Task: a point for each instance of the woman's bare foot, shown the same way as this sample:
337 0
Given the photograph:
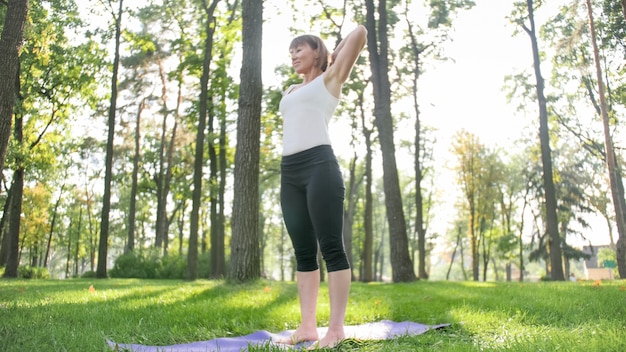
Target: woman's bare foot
300 335
332 339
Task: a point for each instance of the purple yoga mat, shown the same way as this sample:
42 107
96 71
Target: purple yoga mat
381 330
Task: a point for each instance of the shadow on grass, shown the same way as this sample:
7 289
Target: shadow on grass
67 315
514 316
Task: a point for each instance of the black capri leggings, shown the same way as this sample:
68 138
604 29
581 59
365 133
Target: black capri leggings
311 195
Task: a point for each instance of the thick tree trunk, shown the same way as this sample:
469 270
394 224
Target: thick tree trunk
245 256
401 264
10 45
552 229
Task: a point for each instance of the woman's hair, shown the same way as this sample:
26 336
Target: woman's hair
316 44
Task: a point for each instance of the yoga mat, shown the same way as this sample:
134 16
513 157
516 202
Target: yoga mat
382 330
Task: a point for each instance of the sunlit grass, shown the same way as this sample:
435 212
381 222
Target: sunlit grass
80 315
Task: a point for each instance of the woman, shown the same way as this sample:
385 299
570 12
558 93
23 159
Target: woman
312 190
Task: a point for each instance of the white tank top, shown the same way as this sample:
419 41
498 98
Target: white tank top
306 113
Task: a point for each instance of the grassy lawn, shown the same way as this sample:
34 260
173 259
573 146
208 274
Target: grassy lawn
49 315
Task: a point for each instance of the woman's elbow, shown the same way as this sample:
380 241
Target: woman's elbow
362 30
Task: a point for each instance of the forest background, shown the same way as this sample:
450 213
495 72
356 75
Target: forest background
461 78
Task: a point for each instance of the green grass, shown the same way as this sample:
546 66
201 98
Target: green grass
48 315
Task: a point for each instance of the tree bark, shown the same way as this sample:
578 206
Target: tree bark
130 242
554 241
15 214
161 178
418 161
368 217
52 223
4 233
10 45
77 249
401 264
617 189
348 215
192 253
245 256
103 245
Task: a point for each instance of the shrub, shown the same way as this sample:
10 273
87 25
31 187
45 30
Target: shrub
204 264
88 274
148 266
129 265
32 272
172 268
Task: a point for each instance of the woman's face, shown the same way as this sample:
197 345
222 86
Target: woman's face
303 58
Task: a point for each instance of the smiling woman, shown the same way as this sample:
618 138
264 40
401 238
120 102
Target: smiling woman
312 190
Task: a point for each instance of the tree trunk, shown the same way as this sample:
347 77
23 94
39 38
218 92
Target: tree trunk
10 45
78 232
401 264
4 232
419 156
473 237
15 214
165 225
368 218
218 217
221 217
101 271
554 241
132 208
617 189
217 268
192 253
52 223
348 215
456 246
161 176
92 232
68 256
245 256
521 238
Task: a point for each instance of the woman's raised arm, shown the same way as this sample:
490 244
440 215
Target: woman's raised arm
343 59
